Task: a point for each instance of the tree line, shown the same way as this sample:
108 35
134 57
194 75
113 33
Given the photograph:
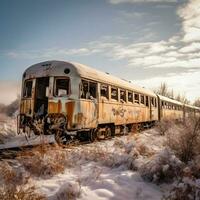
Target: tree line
164 90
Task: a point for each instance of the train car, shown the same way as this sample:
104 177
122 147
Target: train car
65 99
191 111
170 108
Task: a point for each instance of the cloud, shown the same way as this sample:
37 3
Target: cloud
186 83
181 51
141 1
190 14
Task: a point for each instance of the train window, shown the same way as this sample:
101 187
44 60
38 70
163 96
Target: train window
104 90
136 97
84 89
162 104
88 90
147 101
93 90
142 99
152 101
123 95
28 89
114 93
130 97
61 87
155 102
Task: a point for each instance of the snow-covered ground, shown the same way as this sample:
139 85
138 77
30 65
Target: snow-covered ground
102 170
136 166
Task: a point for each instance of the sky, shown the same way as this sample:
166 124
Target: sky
145 41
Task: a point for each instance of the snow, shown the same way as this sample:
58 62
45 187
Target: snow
108 184
103 170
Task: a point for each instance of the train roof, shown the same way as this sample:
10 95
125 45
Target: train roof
163 98
56 68
190 106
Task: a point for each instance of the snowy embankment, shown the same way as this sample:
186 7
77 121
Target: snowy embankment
105 170
8 128
139 166
101 170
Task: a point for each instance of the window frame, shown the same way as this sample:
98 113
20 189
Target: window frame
116 88
25 82
107 85
124 90
88 88
130 92
142 98
55 85
136 101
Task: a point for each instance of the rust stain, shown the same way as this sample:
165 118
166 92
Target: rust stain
52 107
70 111
59 106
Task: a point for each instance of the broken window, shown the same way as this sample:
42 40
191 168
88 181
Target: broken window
152 101
136 97
123 95
84 89
142 99
88 89
147 101
61 87
104 90
28 89
162 104
130 97
114 93
93 90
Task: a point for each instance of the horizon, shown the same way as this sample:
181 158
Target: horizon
147 42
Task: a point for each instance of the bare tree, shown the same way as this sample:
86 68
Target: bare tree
162 90
197 102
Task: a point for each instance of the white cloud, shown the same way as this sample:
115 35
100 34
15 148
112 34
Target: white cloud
179 51
185 83
190 14
193 47
140 1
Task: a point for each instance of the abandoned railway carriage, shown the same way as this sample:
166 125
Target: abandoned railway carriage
73 100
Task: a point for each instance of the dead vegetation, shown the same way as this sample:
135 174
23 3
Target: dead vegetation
184 140
44 161
69 191
15 185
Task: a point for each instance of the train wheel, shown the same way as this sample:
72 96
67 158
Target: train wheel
92 135
108 133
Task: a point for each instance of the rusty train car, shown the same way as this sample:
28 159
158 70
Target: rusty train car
73 100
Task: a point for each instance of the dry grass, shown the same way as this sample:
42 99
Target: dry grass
184 139
44 161
69 191
15 185
163 126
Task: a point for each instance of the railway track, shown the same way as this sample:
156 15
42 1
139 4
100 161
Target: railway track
13 152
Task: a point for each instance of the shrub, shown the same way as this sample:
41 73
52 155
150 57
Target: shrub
185 140
163 126
69 191
44 161
184 189
164 166
14 185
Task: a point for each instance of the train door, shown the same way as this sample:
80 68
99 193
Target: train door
41 96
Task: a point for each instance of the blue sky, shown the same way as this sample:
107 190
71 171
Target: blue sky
146 41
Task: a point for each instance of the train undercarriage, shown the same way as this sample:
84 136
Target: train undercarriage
56 124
